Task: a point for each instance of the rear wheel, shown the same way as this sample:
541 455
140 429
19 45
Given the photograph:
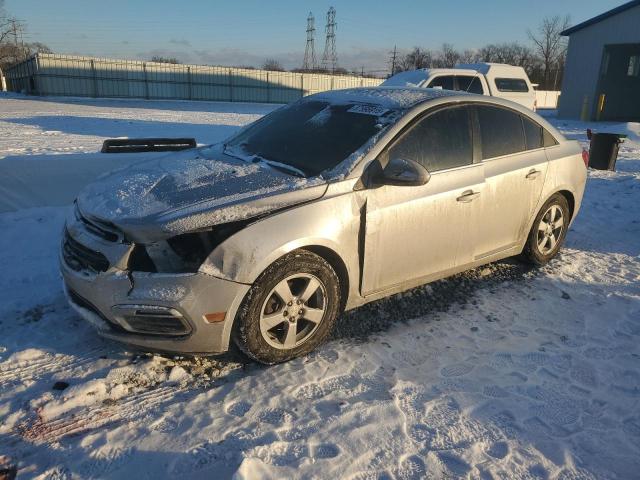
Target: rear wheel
548 231
290 309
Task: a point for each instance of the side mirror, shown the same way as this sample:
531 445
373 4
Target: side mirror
403 172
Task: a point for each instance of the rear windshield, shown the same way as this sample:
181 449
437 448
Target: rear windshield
512 85
310 135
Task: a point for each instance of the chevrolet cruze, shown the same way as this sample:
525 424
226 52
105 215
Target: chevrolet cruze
325 204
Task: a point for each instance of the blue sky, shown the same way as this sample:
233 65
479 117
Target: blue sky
246 32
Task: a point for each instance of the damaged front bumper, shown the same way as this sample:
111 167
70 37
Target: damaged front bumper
185 313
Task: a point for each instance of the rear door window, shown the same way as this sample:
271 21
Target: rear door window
532 134
469 84
501 131
511 85
438 142
445 82
548 139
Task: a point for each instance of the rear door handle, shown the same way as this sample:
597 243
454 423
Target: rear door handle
533 174
468 196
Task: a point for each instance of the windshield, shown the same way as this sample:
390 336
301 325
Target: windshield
309 135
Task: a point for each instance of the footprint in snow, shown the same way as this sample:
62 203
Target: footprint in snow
495 391
275 416
456 370
238 409
104 462
421 435
410 468
282 454
631 426
325 451
585 374
454 464
498 450
409 357
371 475
166 424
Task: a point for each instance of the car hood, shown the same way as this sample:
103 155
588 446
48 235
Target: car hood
191 190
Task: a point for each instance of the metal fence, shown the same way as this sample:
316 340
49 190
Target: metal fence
50 74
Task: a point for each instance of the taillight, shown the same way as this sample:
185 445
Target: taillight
585 157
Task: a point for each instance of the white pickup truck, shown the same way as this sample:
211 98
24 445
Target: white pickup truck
494 79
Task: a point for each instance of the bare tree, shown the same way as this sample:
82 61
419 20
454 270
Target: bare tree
415 59
510 53
160 59
447 57
469 56
12 49
551 46
37 47
273 65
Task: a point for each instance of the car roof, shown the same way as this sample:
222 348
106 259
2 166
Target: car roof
387 97
413 98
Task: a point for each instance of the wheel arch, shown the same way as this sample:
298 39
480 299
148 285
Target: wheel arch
571 200
566 193
338 265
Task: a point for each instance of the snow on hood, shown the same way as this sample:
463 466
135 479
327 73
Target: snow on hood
191 190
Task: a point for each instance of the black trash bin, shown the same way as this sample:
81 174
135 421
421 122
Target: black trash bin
603 150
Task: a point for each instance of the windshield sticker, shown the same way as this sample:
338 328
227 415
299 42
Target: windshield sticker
365 109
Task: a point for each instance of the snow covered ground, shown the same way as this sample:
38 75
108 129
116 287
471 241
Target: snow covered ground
501 372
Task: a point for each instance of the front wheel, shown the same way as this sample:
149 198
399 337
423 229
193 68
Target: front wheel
548 231
290 309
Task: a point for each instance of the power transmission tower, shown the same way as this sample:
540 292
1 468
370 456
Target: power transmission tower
394 56
309 62
330 57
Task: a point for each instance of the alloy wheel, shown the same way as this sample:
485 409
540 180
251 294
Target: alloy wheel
550 229
293 311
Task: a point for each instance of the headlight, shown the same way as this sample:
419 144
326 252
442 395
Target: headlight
182 253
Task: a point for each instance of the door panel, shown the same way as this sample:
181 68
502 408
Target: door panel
513 185
620 83
413 232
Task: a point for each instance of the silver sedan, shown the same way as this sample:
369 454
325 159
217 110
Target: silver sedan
325 204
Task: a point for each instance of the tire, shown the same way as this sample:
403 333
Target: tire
543 245
266 321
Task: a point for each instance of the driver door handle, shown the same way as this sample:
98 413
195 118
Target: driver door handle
533 174
468 196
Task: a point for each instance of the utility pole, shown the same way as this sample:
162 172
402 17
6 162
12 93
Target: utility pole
309 62
16 28
394 56
330 57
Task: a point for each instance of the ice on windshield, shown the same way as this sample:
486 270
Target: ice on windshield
320 118
312 136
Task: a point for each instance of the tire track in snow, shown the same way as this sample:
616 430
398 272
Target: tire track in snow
48 364
41 430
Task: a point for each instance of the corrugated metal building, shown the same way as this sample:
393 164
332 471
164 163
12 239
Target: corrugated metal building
602 72
49 74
